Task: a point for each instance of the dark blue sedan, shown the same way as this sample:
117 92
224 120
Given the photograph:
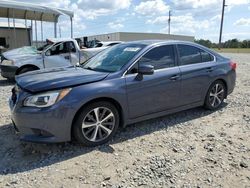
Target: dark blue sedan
124 84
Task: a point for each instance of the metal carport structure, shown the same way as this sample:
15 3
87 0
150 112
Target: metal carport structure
28 11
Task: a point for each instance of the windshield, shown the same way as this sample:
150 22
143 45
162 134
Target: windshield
44 47
113 58
27 50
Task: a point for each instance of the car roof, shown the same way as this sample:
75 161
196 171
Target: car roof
54 40
109 42
94 49
155 42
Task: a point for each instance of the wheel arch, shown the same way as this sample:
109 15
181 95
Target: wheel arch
224 82
27 66
217 79
104 99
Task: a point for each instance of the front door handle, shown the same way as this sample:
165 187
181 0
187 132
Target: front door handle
174 77
66 57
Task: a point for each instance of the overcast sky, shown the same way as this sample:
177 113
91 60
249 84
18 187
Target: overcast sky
199 18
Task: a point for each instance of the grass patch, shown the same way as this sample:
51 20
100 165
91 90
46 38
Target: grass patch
232 50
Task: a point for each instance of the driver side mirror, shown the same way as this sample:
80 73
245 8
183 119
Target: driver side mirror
145 69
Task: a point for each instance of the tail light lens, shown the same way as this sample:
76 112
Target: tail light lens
233 65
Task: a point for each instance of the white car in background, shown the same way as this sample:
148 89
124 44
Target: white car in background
100 46
56 53
106 44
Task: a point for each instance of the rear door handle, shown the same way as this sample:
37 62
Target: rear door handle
209 69
174 77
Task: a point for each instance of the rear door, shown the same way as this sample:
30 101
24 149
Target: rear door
196 66
157 92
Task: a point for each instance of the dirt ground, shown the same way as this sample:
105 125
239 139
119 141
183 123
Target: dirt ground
194 148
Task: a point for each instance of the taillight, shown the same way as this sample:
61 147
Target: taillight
233 65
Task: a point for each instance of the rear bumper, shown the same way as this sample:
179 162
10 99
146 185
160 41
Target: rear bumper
231 81
8 71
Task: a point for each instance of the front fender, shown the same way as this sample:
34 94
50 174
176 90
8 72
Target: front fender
114 89
35 61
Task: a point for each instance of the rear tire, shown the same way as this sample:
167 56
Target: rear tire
215 95
96 123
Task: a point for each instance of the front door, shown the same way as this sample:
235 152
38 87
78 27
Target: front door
61 55
157 92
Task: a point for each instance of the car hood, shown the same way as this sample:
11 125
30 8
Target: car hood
52 79
20 52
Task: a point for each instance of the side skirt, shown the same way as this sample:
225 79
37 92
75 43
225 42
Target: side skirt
163 113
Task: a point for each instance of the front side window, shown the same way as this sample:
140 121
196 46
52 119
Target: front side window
160 57
113 58
55 50
61 48
70 47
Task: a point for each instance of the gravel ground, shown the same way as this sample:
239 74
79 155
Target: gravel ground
194 148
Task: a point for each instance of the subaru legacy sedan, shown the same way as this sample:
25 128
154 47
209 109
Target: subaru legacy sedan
124 84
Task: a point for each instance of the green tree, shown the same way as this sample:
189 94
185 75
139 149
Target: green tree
203 42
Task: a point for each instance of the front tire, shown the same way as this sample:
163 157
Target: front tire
215 95
96 123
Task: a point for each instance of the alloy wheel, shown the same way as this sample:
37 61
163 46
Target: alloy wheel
98 124
216 95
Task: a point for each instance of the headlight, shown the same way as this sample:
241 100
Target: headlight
46 99
7 62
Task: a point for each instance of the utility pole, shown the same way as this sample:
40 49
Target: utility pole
169 20
221 24
60 33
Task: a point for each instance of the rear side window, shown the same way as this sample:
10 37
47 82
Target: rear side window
159 57
192 55
206 57
189 54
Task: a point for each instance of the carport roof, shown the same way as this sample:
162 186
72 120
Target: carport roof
21 10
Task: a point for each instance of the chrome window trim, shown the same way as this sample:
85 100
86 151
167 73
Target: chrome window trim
162 44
